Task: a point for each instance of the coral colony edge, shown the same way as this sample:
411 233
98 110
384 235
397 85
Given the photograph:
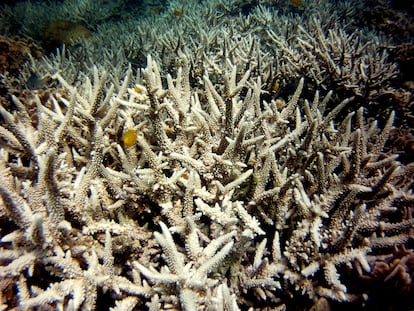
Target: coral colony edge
204 155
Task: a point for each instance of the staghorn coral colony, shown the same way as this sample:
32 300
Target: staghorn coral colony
235 156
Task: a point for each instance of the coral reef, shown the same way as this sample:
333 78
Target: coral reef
224 158
263 200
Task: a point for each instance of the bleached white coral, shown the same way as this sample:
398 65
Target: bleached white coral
229 191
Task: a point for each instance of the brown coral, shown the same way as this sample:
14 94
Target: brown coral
402 143
64 32
14 53
390 18
404 55
396 270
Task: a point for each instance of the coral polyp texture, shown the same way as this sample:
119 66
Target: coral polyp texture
215 179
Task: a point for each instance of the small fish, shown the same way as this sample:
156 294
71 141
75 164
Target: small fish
34 82
276 86
178 12
130 137
137 59
75 48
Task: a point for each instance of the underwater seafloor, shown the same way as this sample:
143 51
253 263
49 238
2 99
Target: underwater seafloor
206 155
